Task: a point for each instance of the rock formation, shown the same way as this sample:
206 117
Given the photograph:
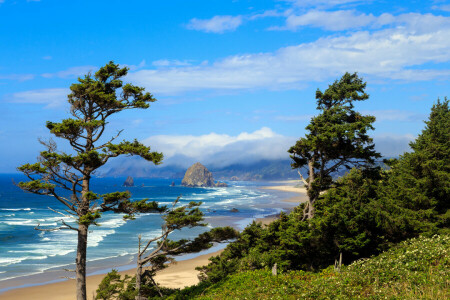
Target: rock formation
198 176
129 181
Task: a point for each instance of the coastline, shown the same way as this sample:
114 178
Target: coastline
177 275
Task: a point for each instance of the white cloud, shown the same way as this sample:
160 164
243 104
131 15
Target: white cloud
323 3
221 149
217 24
445 7
52 98
299 118
170 63
340 20
395 115
71 72
135 67
18 77
47 57
389 53
334 20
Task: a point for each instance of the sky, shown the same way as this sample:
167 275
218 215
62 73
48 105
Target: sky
235 80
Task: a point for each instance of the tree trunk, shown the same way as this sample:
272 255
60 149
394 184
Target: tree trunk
138 279
81 261
311 191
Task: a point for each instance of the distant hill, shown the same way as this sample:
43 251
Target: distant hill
261 170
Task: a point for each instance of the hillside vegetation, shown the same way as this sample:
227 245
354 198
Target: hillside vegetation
415 269
399 216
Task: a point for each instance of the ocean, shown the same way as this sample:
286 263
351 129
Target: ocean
25 251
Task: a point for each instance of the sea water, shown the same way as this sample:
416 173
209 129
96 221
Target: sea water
113 243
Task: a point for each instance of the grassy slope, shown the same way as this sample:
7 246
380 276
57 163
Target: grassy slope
415 269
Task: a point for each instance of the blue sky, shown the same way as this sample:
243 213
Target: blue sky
233 79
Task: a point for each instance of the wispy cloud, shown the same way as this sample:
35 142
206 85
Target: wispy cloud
170 63
47 57
299 118
51 98
388 53
330 20
445 7
18 77
323 3
217 24
395 115
71 72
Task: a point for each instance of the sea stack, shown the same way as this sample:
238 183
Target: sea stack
129 181
198 176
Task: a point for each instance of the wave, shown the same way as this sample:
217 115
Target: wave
20 223
15 260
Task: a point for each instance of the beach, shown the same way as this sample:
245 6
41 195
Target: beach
177 275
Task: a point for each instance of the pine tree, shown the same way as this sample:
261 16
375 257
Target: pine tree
92 101
420 180
336 139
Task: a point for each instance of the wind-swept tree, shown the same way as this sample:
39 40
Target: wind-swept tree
336 139
58 174
155 253
164 250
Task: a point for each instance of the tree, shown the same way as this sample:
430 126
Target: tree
92 101
156 257
176 218
420 180
337 138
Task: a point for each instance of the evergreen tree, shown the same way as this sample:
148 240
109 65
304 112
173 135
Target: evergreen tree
336 139
92 101
420 180
157 257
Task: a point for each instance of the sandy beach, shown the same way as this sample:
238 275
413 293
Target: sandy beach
177 275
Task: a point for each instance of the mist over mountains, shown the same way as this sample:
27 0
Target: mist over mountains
258 170
258 155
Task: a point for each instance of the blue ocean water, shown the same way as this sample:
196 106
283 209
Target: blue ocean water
25 251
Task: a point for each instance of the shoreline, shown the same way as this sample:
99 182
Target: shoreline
177 275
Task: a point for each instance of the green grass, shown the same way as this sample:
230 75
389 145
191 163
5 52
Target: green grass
415 269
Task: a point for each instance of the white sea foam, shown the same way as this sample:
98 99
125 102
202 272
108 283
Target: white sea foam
113 223
15 260
44 250
97 236
20 223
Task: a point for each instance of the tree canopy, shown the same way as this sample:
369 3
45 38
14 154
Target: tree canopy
336 138
66 176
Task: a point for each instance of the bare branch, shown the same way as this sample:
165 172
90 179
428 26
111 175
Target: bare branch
302 178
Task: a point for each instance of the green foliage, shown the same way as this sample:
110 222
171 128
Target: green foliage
184 216
37 187
337 138
363 213
93 99
134 148
416 269
89 218
111 286
420 180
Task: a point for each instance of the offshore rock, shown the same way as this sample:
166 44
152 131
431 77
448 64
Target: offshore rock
198 176
129 181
